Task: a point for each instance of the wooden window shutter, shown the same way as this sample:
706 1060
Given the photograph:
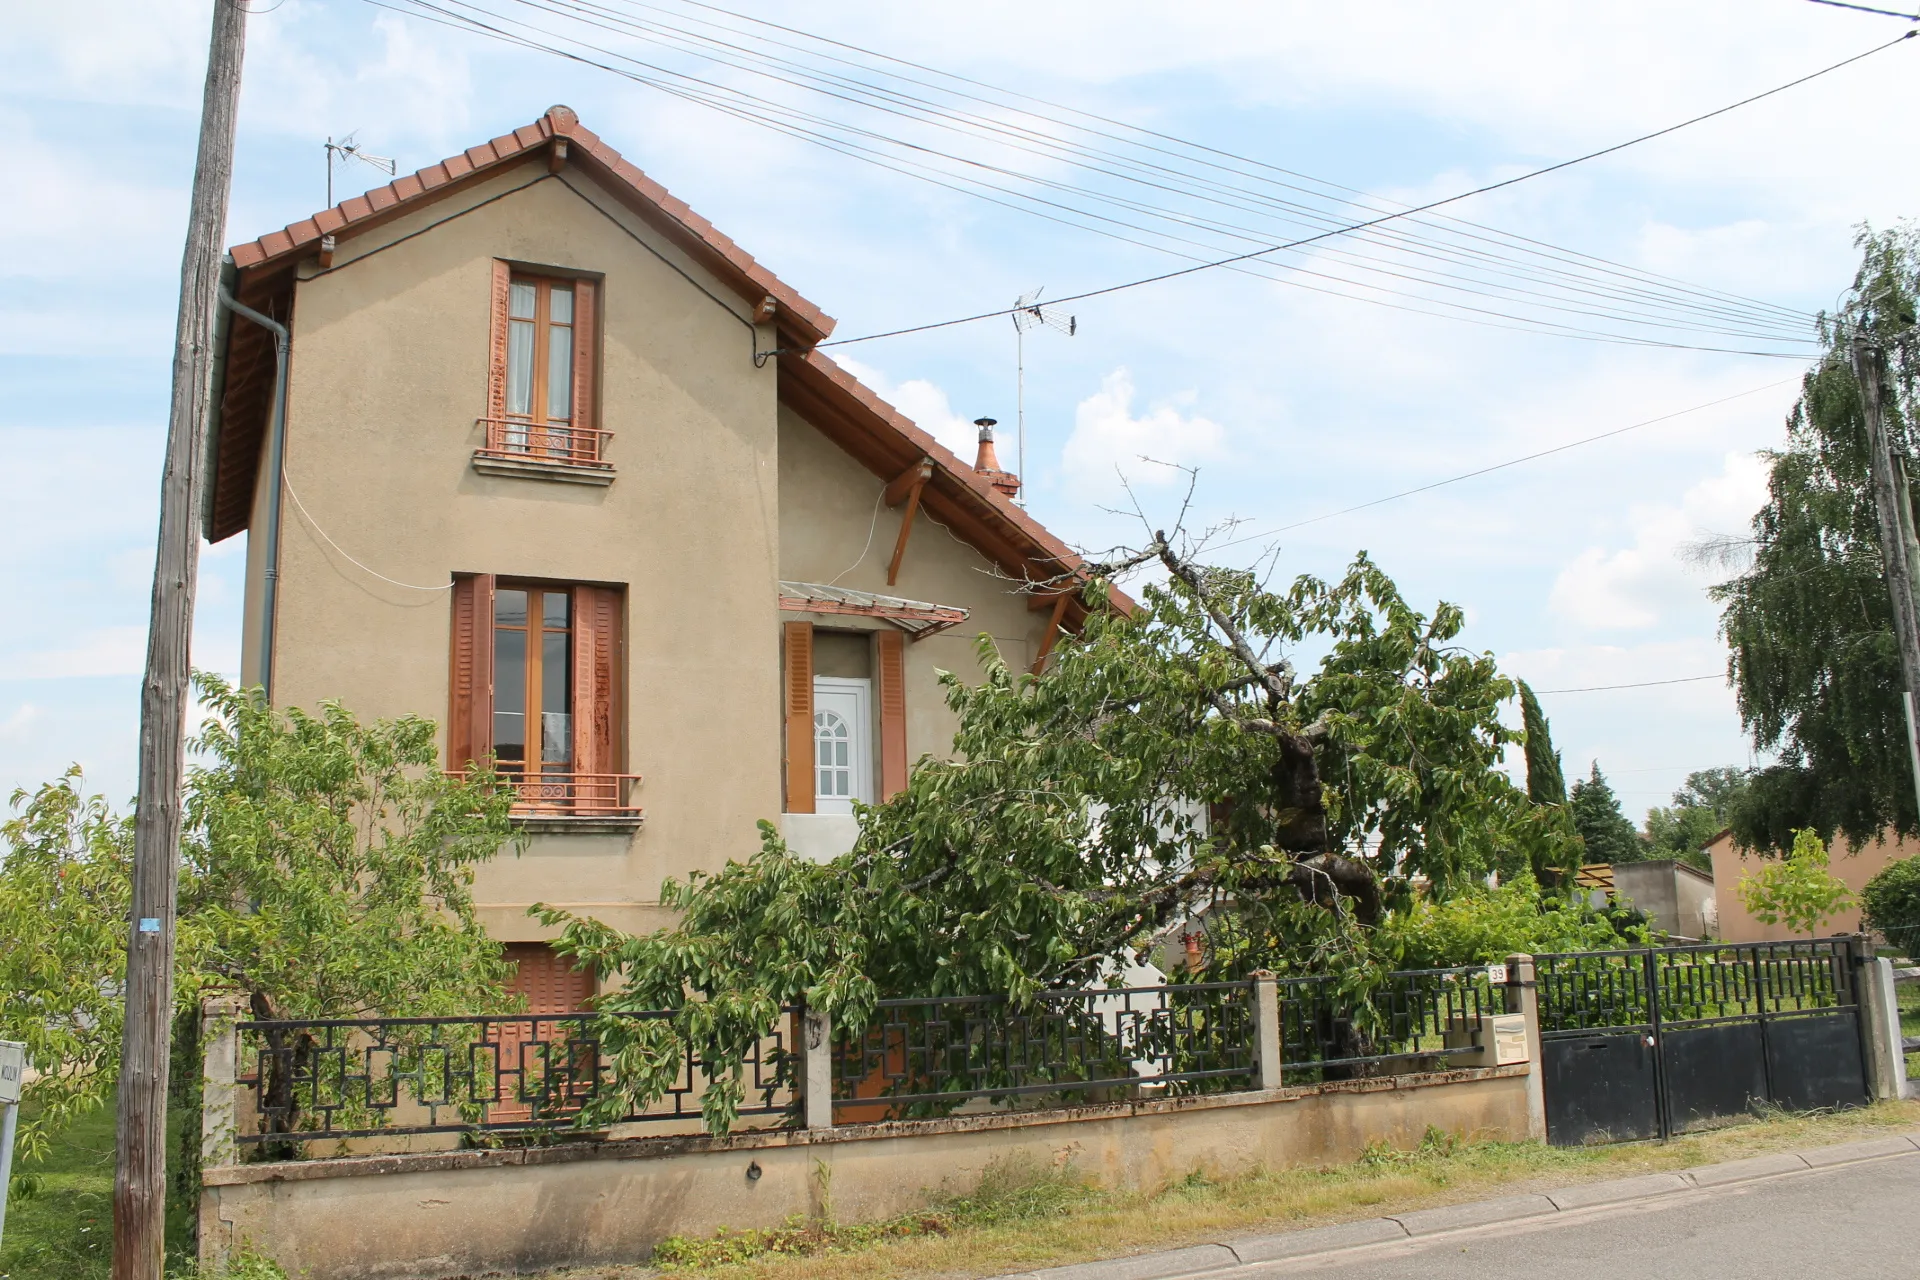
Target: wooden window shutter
470 677
586 347
799 699
497 354
596 679
893 712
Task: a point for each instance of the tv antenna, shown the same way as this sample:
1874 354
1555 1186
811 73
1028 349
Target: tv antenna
347 149
1029 314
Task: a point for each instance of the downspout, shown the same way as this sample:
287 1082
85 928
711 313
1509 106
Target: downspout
276 442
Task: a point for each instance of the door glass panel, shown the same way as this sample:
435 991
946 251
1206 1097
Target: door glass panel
520 368
556 702
509 608
521 297
560 305
510 692
835 780
559 373
554 609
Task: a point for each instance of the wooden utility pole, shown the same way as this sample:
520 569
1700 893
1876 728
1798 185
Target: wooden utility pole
140 1166
1894 506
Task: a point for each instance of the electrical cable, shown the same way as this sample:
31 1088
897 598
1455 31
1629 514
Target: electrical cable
326 538
1501 466
1641 684
1373 222
1861 8
786 119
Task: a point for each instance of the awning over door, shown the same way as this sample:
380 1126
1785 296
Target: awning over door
917 618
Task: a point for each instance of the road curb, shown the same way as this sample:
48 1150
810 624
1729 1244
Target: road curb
1215 1257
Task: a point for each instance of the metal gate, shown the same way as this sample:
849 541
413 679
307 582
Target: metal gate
1649 1043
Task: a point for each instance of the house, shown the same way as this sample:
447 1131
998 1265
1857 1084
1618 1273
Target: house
1853 864
560 467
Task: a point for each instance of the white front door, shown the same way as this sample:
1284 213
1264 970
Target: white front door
842 744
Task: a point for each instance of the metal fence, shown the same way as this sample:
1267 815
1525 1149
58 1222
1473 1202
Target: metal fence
356 1077
1640 989
928 1055
301 1081
1330 1031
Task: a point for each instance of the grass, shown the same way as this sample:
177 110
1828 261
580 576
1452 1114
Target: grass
1026 1217
64 1229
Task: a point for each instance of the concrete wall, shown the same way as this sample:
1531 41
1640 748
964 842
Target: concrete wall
429 1216
1678 898
1854 864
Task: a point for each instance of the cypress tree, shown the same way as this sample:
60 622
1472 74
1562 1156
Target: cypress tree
1546 781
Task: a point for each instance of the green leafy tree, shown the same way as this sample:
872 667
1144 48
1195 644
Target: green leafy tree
1066 830
1892 904
65 894
1485 926
327 871
1607 833
1546 779
1814 662
1796 890
1702 808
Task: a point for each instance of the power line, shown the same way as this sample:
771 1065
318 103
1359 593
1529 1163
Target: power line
1862 8
1552 268
1390 217
1501 466
1643 684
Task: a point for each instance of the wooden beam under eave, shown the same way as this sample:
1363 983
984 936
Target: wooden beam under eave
915 478
1053 630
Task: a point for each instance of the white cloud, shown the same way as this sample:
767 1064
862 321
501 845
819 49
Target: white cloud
1633 587
927 407
21 721
1109 441
104 651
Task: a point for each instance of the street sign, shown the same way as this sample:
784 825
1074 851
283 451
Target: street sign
13 1065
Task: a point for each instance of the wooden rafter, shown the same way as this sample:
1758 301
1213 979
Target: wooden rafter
1060 602
906 487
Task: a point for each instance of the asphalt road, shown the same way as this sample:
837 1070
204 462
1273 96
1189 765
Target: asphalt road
1861 1220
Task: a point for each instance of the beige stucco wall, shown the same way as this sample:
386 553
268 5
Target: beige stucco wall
828 513
719 491
1852 864
388 376
466 1213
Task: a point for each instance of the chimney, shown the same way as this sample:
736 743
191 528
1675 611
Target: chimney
987 463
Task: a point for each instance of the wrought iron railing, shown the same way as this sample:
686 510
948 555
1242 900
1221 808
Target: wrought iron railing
568 794
516 440
927 1056
1331 1029
573 795
358 1077
1641 989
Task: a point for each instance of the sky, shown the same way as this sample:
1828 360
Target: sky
1289 404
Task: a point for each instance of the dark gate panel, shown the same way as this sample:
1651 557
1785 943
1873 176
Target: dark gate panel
1815 1060
1599 1089
1713 1072
1649 1042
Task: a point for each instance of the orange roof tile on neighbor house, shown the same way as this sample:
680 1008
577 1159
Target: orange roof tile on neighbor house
837 403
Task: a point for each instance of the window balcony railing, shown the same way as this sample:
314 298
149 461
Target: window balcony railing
551 794
515 440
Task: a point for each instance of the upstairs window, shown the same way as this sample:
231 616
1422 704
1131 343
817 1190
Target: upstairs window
535 683
540 401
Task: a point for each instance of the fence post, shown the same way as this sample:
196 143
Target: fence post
220 1044
816 1067
219 1118
1266 1030
1523 997
1880 1017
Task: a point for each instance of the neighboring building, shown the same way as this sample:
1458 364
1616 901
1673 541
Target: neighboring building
1676 896
1854 865
564 472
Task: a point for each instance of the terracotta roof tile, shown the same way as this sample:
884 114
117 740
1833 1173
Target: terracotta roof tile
409 186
